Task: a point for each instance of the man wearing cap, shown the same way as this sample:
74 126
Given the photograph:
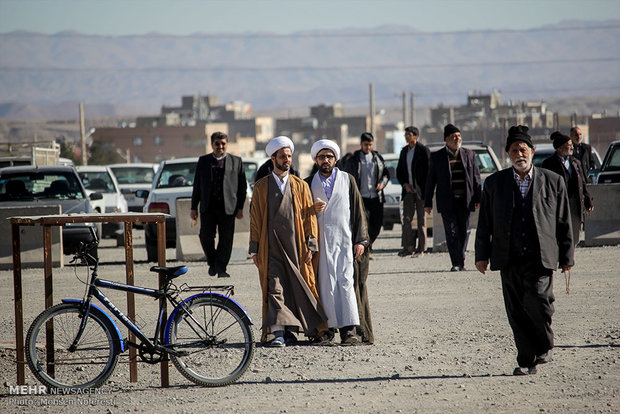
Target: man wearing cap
371 176
283 239
454 171
564 163
220 189
524 230
582 152
343 236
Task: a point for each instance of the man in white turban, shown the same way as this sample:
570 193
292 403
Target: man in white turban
283 232
343 235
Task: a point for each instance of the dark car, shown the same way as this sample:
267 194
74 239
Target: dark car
610 168
544 151
50 185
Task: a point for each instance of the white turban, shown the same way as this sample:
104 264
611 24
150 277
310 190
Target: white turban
278 143
324 144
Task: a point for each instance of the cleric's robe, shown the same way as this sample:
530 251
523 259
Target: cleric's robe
282 229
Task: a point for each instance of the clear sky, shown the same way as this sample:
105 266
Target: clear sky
183 17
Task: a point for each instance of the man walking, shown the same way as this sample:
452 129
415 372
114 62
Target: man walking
582 152
220 189
368 169
454 171
283 239
569 168
343 237
411 172
524 229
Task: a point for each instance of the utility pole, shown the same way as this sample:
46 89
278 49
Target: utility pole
411 108
83 136
404 110
372 109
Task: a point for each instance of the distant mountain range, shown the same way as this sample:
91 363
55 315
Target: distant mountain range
44 76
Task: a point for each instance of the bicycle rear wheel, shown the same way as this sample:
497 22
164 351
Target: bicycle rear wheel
216 338
89 365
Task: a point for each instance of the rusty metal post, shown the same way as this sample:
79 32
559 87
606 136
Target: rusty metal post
19 309
131 303
49 297
161 259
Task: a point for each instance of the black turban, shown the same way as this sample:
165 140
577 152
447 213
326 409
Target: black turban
449 130
559 139
518 133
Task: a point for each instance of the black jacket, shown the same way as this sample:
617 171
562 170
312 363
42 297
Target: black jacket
575 182
583 153
234 184
551 217
382 175
439 175
419 166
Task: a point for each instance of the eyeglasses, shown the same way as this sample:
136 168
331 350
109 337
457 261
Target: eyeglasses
325 157
219 144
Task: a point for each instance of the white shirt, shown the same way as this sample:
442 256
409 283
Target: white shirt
281 183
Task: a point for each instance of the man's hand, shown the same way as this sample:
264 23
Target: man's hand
193 214
255 260
308 258
358 250
239 214
482 266
319 206
591 208
428 210
566 268
379 187
477 206
408 188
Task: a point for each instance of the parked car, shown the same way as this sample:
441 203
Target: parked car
174 180
131 178
99 179
50 185
610 168
544 151
251 166
488 163
392 192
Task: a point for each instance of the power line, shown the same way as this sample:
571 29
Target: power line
307 35
391 66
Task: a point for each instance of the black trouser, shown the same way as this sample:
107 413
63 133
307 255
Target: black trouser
528 296
374 217
210 222
455 223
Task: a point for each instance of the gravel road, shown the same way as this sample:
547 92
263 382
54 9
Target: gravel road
443 344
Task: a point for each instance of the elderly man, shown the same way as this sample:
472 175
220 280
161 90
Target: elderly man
454 171
582 152
342 237
283 232
525 231
563 163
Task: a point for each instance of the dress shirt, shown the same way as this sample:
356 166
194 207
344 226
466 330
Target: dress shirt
328 182
523 184
410 153
281 181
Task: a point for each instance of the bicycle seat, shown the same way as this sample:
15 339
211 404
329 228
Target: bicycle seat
170 271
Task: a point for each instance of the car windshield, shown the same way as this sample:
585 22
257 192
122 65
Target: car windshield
177 175
98 181
613 161
485 162
391 166
250 169
31 185
133 175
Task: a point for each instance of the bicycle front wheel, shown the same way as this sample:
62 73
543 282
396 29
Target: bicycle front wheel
50 358
214 340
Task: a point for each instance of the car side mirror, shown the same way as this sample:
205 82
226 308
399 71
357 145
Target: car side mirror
142 193
96 196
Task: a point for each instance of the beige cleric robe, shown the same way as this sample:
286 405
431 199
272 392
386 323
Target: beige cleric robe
301 307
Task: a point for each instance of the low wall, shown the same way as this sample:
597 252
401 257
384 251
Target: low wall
31 238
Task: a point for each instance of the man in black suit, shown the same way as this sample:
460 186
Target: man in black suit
220 189
454 171
564 163
524 229
411 172
582 152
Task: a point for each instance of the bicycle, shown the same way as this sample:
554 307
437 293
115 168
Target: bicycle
208 335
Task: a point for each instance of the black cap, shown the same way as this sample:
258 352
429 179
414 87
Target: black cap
449 130
518 133
559 139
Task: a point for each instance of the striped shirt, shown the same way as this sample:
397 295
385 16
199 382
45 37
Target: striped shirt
523 184
458 173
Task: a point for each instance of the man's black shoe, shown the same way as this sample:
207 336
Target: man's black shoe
212 271
525 371
544 358
223 274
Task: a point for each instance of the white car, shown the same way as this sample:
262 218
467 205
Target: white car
131 178
99 179
174 179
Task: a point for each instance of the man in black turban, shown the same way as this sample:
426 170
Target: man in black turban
575 177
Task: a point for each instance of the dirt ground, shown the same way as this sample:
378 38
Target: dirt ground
443 344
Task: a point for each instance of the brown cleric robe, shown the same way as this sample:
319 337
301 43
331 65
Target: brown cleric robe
283 228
